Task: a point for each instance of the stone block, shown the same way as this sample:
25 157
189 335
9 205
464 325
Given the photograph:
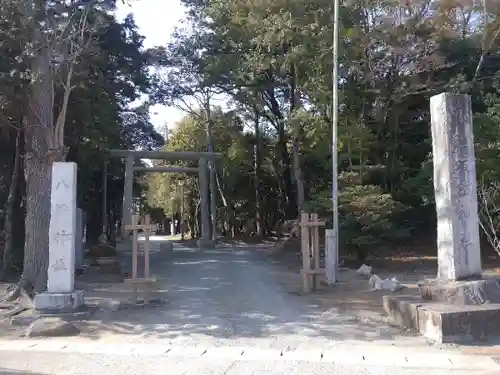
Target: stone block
59 302
444 322
25 319
470 292
402 310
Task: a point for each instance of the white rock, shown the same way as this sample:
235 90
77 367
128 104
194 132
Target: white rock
391 285
364 270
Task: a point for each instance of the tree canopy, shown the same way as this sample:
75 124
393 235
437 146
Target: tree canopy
272 61
71 76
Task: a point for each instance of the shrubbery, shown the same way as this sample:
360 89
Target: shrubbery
368 217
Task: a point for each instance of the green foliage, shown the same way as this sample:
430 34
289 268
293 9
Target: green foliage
110 73
368 217
273 61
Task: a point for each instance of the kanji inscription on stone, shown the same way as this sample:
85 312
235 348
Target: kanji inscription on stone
62 228
455 187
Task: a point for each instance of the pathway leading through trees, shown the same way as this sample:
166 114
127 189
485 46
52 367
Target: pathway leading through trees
231 311
234 296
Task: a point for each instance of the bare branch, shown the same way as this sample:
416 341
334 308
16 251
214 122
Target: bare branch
489 212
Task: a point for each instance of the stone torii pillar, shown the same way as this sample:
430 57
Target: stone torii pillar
128 193
201 157
205 240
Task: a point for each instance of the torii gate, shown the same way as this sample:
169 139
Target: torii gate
206 241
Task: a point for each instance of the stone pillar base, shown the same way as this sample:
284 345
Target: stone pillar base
59 302
206 244
461 293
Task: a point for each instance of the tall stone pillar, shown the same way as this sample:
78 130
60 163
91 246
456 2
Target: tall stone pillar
205 241
213 201
61 294
455 187
128 192
104 207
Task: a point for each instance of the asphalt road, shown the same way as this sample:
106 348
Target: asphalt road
228 313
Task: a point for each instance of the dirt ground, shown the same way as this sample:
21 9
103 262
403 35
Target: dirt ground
351 293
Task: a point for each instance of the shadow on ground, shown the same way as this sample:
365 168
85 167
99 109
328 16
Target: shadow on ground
236 295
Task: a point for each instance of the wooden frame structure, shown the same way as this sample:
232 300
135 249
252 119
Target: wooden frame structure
146 283
309 235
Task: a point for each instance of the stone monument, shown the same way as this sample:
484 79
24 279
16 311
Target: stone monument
61 294
460 304
455 191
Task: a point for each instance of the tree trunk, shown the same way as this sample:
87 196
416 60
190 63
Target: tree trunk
36 249
259 216
9 209
284 170
294 105
38 173
228 208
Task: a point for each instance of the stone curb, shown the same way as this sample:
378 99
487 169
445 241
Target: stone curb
343 354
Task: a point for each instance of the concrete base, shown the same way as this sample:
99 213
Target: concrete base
459 293
59 302
206 244
444 322
25 319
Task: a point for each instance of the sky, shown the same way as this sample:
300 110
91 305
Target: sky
156 20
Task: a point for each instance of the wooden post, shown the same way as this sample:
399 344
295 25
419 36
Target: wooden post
309 233
146 281
148 230
306 255
135 253
182 212
315 247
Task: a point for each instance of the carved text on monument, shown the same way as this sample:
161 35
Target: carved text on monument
459 147
62 183
62 207
59 265
460 175
62 237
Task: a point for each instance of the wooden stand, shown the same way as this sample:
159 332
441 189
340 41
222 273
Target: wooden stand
146 283
309 233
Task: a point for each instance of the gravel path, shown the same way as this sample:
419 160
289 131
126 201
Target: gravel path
230 311
236 297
